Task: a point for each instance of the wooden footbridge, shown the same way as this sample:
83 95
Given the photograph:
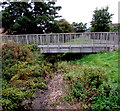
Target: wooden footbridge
89 42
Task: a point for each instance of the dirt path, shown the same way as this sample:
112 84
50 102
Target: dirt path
52 97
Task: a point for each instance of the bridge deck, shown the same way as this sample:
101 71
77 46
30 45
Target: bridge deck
76 48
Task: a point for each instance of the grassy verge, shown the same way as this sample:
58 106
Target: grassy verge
93 81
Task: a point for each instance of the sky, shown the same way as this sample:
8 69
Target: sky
82 10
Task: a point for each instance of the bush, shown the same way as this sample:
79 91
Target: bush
11 98
22 72
85 83
107 101
33 47
15 51
12 53
90 85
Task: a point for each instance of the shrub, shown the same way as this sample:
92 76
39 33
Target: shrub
22 72
33 47
107 101
85 83
12 53
11 98
93 81
15 51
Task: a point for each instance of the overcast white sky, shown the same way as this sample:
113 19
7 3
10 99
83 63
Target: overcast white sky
82 10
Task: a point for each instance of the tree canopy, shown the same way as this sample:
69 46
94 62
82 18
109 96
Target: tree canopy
32 18
79 27
40 17
65 26
101 20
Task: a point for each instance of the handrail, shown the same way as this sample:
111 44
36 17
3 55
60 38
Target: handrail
65 38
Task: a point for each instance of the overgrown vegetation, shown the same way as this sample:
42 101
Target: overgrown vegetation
93 81
23 72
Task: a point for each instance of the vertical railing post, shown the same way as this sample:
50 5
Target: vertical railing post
101 37
70 43
37 38
113 39
40 37
63 39
93 34
48 41
27 39
58 43
75 38
106 41
116 38
94 42
110 38
30 39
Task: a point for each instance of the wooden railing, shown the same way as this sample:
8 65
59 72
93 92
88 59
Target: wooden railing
65 38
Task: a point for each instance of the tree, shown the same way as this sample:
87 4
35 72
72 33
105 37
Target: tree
79 27
65 26
115 27
30 18
101 20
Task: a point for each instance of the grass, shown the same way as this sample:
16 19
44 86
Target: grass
107 60
93 80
